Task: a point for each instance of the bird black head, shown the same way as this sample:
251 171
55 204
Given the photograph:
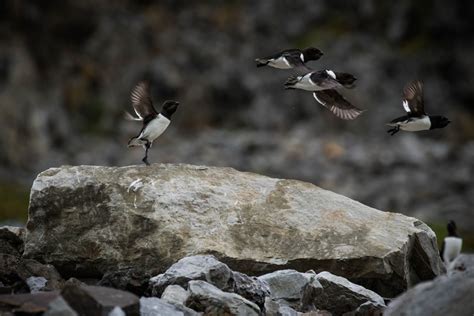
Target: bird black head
169 107
452 228
438 121
312 53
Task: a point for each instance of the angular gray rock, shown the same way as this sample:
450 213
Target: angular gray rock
175 294
445 295
15 272
129 279
98 300
47 271
28 303
96 219
11 240
287 285
153 306
206 268
309 293
368 309
251 288
209 299
278 308
36 284
341 296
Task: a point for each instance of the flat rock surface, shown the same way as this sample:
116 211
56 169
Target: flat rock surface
92 219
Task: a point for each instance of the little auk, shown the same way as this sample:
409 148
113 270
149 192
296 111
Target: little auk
321 80
290 58
452 244
154 123
322 83
416 118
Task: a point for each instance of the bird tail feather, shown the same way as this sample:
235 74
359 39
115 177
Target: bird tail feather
261 62
291 81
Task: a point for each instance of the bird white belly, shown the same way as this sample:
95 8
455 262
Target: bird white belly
280 63
307 84
452 248
155 128
415 125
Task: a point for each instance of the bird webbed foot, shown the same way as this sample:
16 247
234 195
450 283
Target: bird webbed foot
394 130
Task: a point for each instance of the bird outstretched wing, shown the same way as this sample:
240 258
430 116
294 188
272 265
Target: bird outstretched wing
337 104
141 101
413 98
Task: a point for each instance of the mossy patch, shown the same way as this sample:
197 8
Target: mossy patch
14 202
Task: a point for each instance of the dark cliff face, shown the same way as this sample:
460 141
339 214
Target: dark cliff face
66 69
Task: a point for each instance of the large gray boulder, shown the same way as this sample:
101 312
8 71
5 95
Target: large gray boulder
91 219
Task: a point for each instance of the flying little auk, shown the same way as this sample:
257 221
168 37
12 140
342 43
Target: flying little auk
452 244
154 123
321 80
290 58
323 83
416 118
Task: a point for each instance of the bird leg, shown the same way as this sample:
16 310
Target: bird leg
394 130
145 159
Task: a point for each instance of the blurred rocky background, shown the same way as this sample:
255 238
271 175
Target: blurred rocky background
67 68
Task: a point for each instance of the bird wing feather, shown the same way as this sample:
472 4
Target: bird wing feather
141 101
337 104
413 98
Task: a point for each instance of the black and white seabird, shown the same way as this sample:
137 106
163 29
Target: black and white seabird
323 84
321 80
154 123
290 58
416 118
452 244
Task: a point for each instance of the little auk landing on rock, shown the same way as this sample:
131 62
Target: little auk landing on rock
154 123
452 244
416 118
290 58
